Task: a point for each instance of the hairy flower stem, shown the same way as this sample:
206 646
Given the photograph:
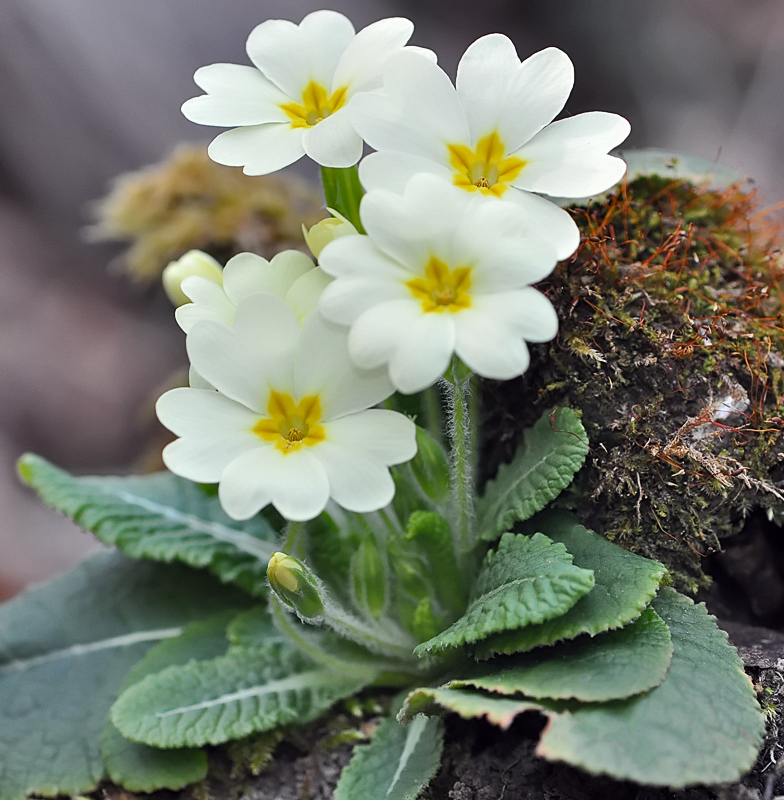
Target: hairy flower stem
458 428
343 192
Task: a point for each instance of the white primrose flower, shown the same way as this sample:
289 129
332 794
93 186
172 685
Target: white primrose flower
490 134
290 419
290 275
294 100
441 271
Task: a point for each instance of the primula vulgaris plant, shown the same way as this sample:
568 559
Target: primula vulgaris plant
350 546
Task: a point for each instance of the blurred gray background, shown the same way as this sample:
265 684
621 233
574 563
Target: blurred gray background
92 88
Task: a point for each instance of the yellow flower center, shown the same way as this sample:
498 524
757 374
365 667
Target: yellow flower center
442 289
485 169
316 104
291 425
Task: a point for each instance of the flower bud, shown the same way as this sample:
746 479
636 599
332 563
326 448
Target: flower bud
295 585
322 233
194 262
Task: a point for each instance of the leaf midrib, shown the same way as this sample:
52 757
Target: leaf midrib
113 642
492 513
302 680
242 541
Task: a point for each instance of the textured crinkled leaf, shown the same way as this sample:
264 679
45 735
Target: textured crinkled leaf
551 452
137 767
65 649
610 666
159 517
528 580
625 584
397 764
701 725
468 704
245 691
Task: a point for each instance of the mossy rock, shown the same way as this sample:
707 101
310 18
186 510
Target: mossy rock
671 345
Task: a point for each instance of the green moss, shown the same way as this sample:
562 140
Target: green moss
670 315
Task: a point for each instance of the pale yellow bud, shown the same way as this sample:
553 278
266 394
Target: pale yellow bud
295 585
194 262
322 233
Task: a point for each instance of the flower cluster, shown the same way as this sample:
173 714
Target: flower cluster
454 230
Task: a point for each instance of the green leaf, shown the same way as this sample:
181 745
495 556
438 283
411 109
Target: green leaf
159 517
137 767
528 580
625 585
65 649
246 691
253 628
499 711
702 725
611 666
543 466
397 764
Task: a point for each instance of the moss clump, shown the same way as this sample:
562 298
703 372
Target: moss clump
672 346
189 202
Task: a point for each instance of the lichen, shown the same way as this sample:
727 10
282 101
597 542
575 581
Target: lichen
189 202
671 344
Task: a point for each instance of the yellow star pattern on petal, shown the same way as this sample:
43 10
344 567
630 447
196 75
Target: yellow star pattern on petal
486 168
442 289
316 104
291 425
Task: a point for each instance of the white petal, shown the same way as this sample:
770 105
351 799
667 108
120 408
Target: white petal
257 353
323 367
236 95
209 302
293 55
553 222
356 482
362 63
423 352
204 458
303 296
512 264
501 94
391 170
413 228
525 312
203 412
488 347
260 149
485 75
377 331
357 255
347 298
333 142
418 111
381 434
568 158
295 483
248 273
